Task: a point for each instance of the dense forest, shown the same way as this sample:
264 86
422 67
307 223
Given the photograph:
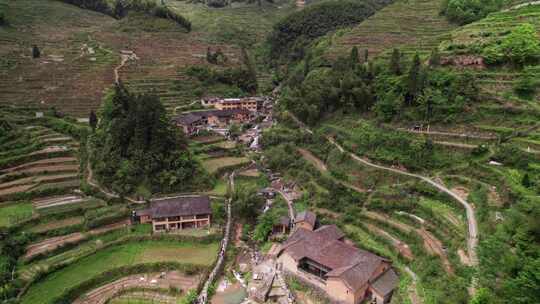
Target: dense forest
135 148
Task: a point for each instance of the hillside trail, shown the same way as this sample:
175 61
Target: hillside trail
125 56
472 238
413 293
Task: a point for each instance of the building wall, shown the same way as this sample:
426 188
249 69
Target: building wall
168 224
288 263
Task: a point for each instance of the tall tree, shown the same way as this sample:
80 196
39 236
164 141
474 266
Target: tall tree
354 56
395 62
413 81
435 58
36 53
92 120
366 55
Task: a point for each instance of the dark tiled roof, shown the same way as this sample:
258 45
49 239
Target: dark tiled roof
191 117
179 206
306 216
187 119
353 265
143 212
385 283
330 232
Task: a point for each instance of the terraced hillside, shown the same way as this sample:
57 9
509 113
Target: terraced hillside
407 24
77 65
468 41
39 168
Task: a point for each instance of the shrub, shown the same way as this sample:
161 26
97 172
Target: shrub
95 5
520 47
527 84
292 33
3 20
467 11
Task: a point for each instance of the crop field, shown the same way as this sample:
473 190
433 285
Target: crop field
468 39
213 165
76 66
129 254
13 213
404 24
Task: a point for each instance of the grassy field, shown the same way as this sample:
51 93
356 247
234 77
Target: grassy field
212 165
129 254
13 213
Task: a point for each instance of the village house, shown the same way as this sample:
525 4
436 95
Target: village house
252 104
306 220
190 123
193 121
176 213
282 227
322 258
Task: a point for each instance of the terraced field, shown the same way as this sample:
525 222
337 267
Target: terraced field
50 163
405 24
76 66
467 40
129 254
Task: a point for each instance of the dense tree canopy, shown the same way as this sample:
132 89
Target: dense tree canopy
135 147
467 11
291 34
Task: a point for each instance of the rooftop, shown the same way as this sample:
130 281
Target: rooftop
180 206
324 246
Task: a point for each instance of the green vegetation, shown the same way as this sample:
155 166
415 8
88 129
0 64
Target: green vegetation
52 286
15 213
294 32
467 11
217 165
136 149
120 9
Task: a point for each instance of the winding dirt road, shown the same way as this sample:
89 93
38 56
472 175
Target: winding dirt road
472 240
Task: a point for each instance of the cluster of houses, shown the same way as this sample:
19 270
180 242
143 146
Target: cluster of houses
319 255
225 112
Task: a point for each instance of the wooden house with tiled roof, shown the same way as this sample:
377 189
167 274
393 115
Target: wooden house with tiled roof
347 274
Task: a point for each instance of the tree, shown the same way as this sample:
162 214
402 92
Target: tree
526 181
264 227
119 9
482 297
521 45
36 53
435 58
414 85
366 55
527 84
247 203
92 120
354 56
3 20
136 147
395 62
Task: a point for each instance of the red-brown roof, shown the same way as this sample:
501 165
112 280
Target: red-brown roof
306 216
353 265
